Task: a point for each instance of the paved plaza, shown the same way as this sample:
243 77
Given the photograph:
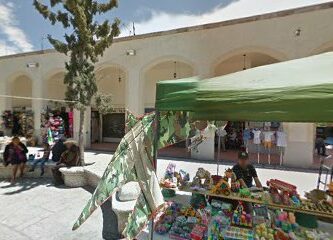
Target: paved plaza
35 209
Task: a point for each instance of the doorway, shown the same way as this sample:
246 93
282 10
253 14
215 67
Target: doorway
113 127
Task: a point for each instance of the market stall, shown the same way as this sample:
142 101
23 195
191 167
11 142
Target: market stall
56 123
288 92
19 122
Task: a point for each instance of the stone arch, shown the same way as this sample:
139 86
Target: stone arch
111 79
163 68
54 87
20 84
235 60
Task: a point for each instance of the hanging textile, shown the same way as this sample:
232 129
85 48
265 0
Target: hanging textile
50 139
133 161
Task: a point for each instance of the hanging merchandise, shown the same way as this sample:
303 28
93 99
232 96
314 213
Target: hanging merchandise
7 118
56 124
50 139
281 139
257 136
70 124
20 123
26 122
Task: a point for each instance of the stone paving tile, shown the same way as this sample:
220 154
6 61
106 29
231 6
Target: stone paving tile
34 209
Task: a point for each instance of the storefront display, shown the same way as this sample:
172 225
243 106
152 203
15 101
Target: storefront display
19 122
56 124
7 117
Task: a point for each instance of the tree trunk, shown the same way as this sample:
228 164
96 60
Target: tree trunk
100 128
81 136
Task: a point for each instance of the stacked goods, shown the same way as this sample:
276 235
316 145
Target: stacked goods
220 209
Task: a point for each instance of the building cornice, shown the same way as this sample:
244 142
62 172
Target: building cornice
254 18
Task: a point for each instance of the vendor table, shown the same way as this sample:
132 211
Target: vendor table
269 204
183 196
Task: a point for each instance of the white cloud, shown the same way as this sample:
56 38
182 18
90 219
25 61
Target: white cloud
161 21
15 39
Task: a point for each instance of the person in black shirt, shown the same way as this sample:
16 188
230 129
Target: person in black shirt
245 172
58 149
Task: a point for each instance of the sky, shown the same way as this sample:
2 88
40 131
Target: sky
22 29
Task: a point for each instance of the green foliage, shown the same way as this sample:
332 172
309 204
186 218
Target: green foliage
87 41
104 103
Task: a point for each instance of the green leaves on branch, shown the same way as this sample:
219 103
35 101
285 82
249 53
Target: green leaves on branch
86 42
104 103
81 83
104 7
53 17
58 45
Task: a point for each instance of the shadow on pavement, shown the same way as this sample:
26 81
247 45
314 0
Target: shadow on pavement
26 184
110 219
22 185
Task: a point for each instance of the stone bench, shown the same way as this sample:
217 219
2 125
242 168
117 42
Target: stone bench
74 176
123 201
6 172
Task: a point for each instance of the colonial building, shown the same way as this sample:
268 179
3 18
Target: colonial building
132 66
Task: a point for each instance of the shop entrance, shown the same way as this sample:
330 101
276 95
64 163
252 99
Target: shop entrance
113 126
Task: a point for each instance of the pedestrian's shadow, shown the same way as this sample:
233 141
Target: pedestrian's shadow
110 219
23 184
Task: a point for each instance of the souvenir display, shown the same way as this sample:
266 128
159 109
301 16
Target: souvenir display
182 178
260 215
236 233
7 117
169 180
219 221
21 123
213 218
198 201
262 231
56 124
222 187
198 232
202 180
244 192
282 192
235 184
240 217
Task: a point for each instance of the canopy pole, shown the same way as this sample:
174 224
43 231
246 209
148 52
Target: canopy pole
155 149
218 155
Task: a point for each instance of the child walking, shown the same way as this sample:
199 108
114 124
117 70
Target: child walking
43 160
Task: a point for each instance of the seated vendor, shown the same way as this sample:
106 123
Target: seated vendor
245 172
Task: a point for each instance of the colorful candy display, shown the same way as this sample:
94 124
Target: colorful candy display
239 213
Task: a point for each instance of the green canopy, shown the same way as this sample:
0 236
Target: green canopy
300 90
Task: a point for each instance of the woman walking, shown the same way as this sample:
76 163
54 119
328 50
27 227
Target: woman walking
16 155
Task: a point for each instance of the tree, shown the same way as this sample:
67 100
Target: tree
84 45
104 106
